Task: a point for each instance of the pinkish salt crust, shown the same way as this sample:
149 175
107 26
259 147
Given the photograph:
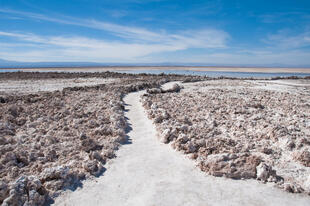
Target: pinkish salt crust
49 141
237 131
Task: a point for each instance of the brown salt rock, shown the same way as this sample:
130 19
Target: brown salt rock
26 191
241 166
154 91
4 190
293 188
90 144
15 110
93 167
265 173
3 140
303 157
59 177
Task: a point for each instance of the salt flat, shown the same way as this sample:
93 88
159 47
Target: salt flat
147 172
30 86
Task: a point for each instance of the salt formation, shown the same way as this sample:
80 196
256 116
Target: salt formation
238 131
175 88
50 141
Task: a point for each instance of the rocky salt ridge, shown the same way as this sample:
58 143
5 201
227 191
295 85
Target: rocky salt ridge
50 141
237 131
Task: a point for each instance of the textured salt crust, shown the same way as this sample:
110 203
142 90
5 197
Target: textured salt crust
59 137
31 86
163 106
147 172
49 141
197 186
293 86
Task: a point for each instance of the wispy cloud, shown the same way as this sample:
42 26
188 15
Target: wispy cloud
25 37
285 40
75 48
117 13
136 44
81 47
279 17
132 42
250 57
204 38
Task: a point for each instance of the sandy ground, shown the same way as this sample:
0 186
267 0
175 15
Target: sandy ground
193 68
32 86
147 172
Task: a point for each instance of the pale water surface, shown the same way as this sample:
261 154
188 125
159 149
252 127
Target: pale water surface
217 74
199 73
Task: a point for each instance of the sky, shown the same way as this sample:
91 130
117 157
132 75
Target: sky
227 32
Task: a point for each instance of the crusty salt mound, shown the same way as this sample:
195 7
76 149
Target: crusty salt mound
49 141
238 131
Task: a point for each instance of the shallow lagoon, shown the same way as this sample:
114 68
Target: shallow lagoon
8 70
188 72
217 74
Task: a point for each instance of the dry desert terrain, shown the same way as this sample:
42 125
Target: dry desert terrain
121 139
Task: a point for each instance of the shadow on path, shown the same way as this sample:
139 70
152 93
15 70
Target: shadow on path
79 183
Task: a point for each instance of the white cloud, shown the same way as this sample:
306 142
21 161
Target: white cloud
25 37
133 42
261 57
283 39
58 48
245 57
281 17
99 50
205 38
35 48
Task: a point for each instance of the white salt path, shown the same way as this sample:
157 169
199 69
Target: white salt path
149 173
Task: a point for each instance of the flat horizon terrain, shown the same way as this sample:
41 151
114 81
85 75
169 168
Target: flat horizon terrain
186 68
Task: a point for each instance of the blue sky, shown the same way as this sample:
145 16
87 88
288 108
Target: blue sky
152 31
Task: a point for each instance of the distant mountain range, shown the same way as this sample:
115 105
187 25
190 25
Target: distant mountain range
15 64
